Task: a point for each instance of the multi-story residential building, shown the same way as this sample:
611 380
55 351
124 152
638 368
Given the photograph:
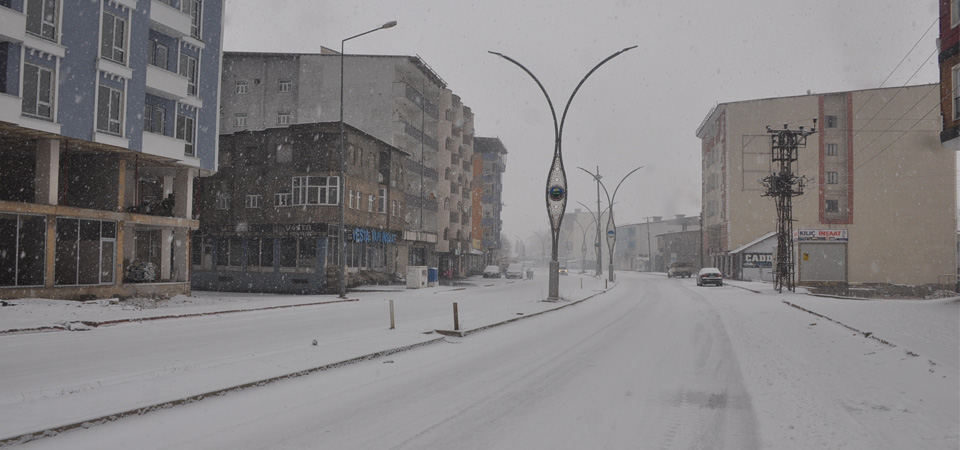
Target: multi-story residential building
949 45
879 203
488 167
393 98
109 113
455 156
637 244
269 219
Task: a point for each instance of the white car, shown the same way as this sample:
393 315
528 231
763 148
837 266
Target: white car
709 275
515 270
491 272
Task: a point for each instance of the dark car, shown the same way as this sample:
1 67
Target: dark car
709 275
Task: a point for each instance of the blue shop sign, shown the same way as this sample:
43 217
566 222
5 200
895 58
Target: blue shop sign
375 236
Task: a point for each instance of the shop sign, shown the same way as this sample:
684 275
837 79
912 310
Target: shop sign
820 235
375 236
755 260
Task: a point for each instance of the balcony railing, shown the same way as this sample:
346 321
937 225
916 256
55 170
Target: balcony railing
418 135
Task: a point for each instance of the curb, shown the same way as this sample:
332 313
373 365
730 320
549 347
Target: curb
95 324
53 431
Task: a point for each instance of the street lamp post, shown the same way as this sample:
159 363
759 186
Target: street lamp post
556 186
611 225
341 235
583 245
596 244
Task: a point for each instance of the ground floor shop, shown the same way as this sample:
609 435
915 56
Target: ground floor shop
292 258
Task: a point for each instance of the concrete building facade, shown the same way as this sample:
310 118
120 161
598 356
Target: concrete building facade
488 166
396 99
879 204
949 61
108 113
639 249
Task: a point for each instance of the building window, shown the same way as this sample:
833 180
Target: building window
109 110
956 87
832 178
831 122
832 206
359 196
230 251
253 200
309 190
830 150
298 252
153 119
37 91
283 197
350 199
186 132
393 208
158 55
222 202
113 39
284 85
954 13
239 120
85 252
242 87
283 118
22 249
42 18
370 203
188 69
260 252
383 201
192 7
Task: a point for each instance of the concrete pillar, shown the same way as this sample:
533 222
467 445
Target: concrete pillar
47 171
183 192
166 242
181 254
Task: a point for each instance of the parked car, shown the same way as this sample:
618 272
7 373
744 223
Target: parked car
709 275
563 270
680 269
514 270
491 272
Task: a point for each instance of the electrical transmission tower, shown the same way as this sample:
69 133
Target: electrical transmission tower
783 185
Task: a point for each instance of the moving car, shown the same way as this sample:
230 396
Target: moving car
680 269
709 275
491 272
515 270
563 270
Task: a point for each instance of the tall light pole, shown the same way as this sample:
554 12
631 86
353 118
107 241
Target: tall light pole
341 235
556 186
611 225
583 245
596 244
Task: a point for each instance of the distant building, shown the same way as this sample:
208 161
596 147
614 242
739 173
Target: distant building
269 218
489 164
638 248
678 246
879 205
399 100
108 113
949 59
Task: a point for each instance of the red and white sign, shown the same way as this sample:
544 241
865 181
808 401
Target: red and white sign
820 235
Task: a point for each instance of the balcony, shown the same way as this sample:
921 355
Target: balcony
169 20
13 25
10 106
166 84
160 145
416 99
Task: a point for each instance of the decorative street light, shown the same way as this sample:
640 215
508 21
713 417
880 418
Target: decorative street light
556 186
583 244
596 244
611 226
341 259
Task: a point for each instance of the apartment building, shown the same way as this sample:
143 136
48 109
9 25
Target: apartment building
396 99
108 113
488 167
637 244
269 218
455 156
949 60
879 201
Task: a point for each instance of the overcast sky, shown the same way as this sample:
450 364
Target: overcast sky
640 109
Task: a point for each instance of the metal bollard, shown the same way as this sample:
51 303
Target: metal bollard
456 318
393 323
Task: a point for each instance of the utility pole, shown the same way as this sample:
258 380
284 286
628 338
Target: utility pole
783 185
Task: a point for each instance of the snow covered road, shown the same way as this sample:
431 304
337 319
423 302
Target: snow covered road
654 364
